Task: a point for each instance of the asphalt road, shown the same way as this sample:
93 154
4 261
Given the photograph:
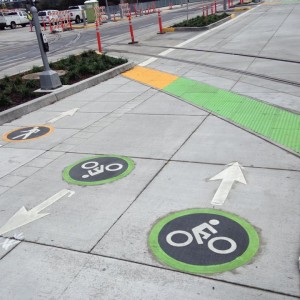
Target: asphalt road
15 50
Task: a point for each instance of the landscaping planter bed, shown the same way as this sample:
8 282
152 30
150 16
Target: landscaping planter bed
15 90
202 23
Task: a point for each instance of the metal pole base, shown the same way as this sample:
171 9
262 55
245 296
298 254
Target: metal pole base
131 43
49 80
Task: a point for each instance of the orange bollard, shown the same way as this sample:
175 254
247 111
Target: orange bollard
160 23
98 37
131 31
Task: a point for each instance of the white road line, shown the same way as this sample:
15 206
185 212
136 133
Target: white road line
11 60
146 26
164 53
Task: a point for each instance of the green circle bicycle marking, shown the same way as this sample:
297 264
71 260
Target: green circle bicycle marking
79 179
161 255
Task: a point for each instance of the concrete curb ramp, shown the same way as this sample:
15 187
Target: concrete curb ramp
23 109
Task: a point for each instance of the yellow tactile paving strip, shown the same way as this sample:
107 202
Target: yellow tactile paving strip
150 77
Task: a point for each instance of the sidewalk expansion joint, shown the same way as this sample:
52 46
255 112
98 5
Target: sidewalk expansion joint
155 267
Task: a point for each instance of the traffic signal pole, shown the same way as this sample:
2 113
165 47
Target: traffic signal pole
49 79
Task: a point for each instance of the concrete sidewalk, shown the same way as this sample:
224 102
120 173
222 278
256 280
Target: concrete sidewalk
125 197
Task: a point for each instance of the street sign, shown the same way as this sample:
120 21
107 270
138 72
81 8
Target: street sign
203 241
27 133
98 169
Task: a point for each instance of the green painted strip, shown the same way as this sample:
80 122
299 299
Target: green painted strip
276 124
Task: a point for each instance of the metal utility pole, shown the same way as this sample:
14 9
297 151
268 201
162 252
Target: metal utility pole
49 79
107 10
187 10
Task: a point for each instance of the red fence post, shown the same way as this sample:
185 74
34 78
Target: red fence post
98 36
215 6
70 22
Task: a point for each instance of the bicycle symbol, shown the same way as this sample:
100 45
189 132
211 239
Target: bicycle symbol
200 234
94 168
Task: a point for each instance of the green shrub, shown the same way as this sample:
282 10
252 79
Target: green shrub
25 92
36 69
4 100
31 84
201 21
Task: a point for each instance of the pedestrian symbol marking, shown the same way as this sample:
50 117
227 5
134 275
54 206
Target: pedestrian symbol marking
27 133
98 169
203 241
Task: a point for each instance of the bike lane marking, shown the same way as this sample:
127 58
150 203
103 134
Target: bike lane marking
28 133
182 241
96 170
275 124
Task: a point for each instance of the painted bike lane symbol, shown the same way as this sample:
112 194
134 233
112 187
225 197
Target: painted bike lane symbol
203 241
98 170
93 168
200 234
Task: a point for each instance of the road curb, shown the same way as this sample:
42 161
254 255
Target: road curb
33 105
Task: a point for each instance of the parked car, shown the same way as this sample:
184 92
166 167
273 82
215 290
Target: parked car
44 16
76 13
13 18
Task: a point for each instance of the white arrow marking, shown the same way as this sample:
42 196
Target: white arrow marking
228 176
70 113
24 216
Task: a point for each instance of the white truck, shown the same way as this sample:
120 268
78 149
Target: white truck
13 18
76 13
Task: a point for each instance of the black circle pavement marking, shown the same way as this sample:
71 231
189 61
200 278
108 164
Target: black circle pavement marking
98 169
203 241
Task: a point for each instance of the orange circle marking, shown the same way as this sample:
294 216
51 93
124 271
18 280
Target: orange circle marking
5 135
